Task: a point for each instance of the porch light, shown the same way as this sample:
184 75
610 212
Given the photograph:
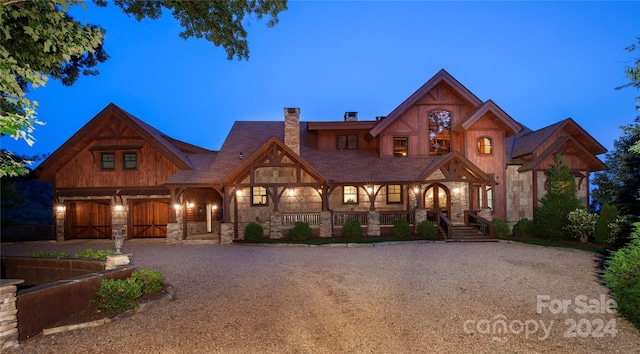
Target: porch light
369 190
118 207
60 208
190 205
177 206
239 193
416 190
456 190
292 192
215 206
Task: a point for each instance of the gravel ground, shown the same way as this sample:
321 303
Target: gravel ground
416 297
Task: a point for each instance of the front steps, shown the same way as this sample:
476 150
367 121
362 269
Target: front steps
463 233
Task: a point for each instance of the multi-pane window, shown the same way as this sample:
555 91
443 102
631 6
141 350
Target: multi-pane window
347 142
439 132
400 146
107 161
485 146
489 201
394 193
129 160
259 196
350 195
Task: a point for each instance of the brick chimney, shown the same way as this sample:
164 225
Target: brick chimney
292 129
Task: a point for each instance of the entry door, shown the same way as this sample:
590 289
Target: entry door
436 198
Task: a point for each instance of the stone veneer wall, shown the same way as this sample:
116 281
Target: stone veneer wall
8 311
519 194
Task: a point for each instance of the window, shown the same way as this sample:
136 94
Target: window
400 147
258 196
489 203
347 142
439 132
108 161
350 195
129 161
394 193
484 146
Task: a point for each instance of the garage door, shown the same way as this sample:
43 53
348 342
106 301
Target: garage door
87 219
150 218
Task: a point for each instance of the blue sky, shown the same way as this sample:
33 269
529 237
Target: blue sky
539 61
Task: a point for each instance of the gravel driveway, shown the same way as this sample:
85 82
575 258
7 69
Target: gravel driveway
398 298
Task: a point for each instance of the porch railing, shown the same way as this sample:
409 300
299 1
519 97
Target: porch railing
27 233
389 217
445 224
483 225
290 219
339 219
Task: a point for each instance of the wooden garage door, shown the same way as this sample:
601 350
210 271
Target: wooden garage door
150 218
88 220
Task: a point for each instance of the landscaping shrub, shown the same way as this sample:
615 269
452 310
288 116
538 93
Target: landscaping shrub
118 295
151 280
581 224
426 229
45 254
608 214
622 276
253 232
401 228
301 231
91 254
621 230
352 229
501 229
523 227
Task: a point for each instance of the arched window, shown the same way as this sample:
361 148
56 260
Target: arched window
439 132
485 146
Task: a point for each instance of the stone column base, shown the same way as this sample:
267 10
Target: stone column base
326 227
373 223
174 233
226 233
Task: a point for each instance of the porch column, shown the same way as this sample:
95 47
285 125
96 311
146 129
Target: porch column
119 213
60 212
226 233
420 215
9 333
275 228
326 225
174 228
373 223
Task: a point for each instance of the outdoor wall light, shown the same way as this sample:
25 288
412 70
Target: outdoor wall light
456 190
60 208
292 192
239 193
215 206
369 190
118 207
190 205
416 190
177 206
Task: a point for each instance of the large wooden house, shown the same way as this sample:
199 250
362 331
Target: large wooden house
443 154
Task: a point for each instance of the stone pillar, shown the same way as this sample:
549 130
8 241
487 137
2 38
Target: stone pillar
174 233
59 215
8 312
420 215
326 229
275 225
119 223
226 233
485 213
292 129
373 223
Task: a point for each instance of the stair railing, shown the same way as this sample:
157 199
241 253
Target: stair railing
483 225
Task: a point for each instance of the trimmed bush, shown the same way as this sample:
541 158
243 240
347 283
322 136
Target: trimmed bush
45 254
401 228
118 295
523 227
253 232
426 229
91 254
352 229
301 231
151 280
622 276
608 214
501 229
581 224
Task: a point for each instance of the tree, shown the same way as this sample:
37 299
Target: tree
633 73
550 217
619 184
40 40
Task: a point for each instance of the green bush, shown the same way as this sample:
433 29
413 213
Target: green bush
426 229
253 232
91 254
622 276
151 280
608 214
401 228
45 254
581 224
301 231
523 227
501 229
620 231
118 295
352 229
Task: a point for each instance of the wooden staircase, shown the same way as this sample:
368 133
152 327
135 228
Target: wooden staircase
464 233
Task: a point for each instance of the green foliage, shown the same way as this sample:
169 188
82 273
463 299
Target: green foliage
401 228
151 280
97 254
608 214
620 231
118 295
581 224
45 254
352 229
501 229
253 232
622 276
426 229
523 228
301 231
551 217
